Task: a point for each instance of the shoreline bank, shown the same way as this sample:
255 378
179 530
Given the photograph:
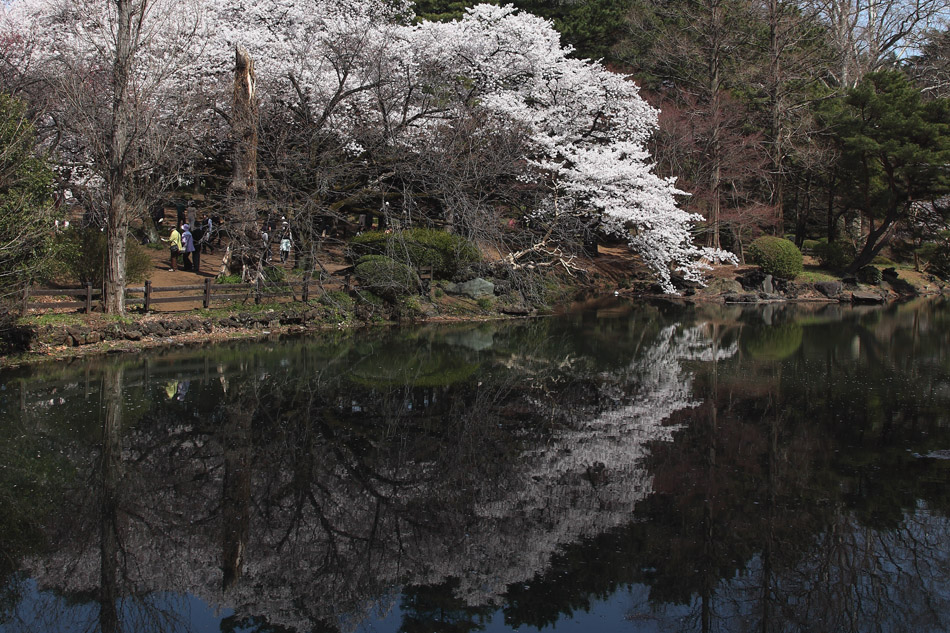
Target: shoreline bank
58 337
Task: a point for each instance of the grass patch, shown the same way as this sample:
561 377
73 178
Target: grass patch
52 319
812 276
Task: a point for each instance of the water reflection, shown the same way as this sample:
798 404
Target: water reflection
747 469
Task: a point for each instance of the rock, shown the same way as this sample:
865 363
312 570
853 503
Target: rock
93 338
474 288
745 297
890 274
830 289
723 287
752 280
863 296
75 336
767 286
132 334
514 310
155 328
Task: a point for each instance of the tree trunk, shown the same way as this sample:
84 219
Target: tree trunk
775 113
245 235
876 240
117 219
714 69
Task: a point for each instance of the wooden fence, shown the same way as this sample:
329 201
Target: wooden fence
207 292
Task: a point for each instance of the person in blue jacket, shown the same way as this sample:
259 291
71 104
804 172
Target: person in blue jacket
188 247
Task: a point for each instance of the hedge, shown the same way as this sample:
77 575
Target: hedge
385 276
445 252
777 256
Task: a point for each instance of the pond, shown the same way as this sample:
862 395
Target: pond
649 467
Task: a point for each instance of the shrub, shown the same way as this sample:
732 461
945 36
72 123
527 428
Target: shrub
835 255
937 256
445 252
80 255
274 275
228 279
870 275
810 246
14 336
777 256
385 276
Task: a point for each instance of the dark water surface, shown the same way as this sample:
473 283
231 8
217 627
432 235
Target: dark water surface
624 468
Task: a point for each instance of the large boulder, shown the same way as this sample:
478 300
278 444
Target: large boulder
830 289
862 296
474 288
722 287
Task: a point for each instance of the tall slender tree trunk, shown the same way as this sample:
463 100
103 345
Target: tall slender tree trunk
117 218
245 242
775 115
714 69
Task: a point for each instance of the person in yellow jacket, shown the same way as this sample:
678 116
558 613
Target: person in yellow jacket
174 245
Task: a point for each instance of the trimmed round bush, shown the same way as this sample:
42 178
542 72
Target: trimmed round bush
385 276
835 255
777 256
446 253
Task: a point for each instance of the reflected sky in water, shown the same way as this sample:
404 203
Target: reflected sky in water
643 468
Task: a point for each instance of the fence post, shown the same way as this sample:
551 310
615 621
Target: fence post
207 298
257 290
88 297
148 294
305 293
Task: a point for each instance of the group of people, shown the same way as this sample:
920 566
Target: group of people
189 242
285 239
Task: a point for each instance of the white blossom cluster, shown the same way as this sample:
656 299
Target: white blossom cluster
360 71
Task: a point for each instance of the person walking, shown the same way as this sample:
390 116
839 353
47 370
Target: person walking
175 247
197 238
205 241
188 247
285 242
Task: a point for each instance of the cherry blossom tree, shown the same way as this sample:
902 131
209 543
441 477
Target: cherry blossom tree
587 131
117 73
360 79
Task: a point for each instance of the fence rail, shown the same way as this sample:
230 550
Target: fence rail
209 292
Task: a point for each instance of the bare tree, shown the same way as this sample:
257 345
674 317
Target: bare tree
873 34
117 102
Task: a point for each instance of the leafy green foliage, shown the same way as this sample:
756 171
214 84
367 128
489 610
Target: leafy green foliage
834 255
937 256
870 275
777 256
894 147
79 255
592 27
445 252
26 209
385 276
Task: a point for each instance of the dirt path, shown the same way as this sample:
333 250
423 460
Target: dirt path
332 259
